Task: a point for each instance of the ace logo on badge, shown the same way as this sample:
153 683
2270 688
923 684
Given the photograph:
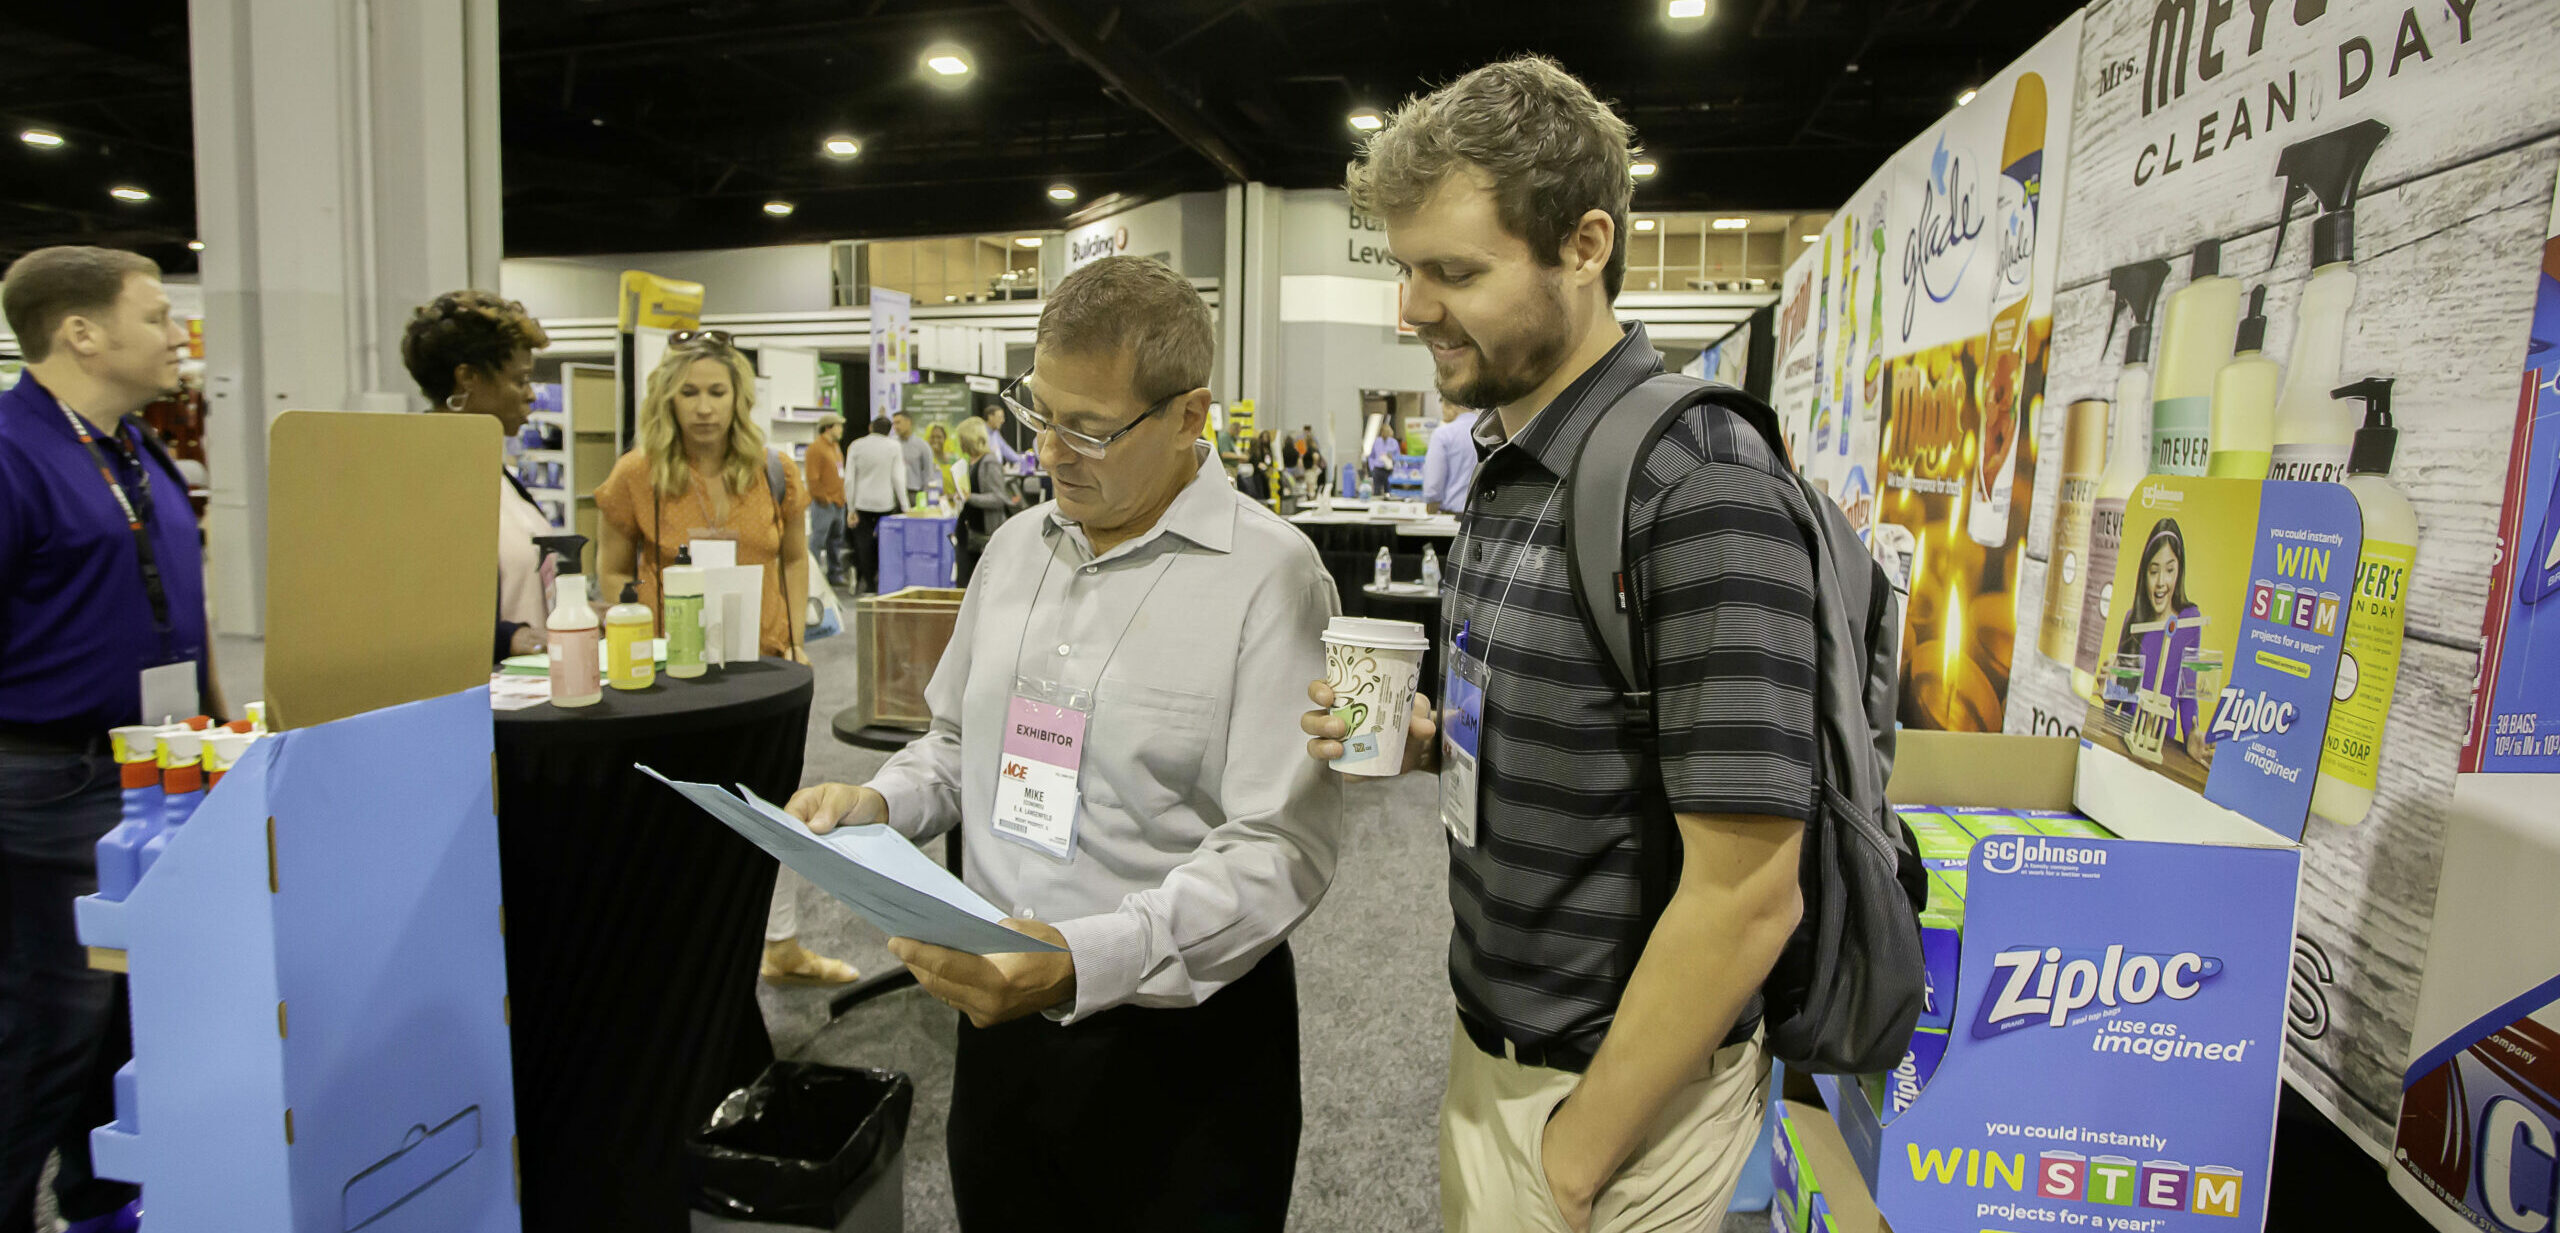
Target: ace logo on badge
1016 770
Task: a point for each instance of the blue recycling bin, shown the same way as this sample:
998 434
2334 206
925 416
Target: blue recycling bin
915 551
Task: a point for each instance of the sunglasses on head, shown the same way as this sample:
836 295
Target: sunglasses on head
701 339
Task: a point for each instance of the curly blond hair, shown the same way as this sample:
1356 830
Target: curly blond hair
1550 151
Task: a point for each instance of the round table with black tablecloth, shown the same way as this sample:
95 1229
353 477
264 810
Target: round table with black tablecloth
635 922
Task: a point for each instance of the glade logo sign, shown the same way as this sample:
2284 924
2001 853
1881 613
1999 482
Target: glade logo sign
2005 853
1114 241
2050 984
1939 248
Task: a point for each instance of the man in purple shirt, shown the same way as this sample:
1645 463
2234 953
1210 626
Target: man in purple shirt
101 579
1449 460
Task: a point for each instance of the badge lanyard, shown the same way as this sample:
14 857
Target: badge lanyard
1041 757
136 520
1470 672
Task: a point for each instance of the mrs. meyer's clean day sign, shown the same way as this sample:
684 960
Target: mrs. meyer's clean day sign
2118 1023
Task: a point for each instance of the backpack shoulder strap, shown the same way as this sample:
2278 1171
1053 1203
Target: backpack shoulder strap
773 477
1595 524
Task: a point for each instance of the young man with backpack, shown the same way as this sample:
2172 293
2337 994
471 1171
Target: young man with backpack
1624 854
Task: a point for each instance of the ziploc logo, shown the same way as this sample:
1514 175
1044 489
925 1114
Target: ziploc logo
2050 985
2239 715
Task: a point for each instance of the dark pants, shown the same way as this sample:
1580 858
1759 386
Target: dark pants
866 547
827 539
1178 1120
62 1030
1379 477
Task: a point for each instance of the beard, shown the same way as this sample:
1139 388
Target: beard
1538 343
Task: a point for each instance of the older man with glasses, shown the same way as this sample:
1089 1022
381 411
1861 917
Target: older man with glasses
1113 734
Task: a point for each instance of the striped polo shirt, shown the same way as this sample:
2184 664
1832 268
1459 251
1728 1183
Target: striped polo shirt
1549 915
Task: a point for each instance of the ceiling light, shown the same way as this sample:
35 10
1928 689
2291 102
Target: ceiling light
126 192
41 139
779 209
1644 224
1367 121
1965 97
1010 275
195 246
843 147
1683 10
1060 192
948 66
1811 237
1026 241
947 60
1643 169
1730 224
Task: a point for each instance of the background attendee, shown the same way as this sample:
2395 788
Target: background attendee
1014 459
876 483
1606 1070
1383 452
826 499
1449 460
991 500
101 579
471 352
702 471
922 474
947 457
1159 1090
1256 481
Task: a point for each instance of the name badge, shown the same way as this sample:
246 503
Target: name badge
1460 737
1036 798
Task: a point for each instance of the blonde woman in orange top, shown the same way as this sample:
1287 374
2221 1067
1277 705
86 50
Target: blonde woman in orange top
703 472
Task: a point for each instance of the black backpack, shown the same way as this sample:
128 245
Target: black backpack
1847 990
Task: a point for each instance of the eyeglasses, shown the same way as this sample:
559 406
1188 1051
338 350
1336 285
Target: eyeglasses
701 339
1017 399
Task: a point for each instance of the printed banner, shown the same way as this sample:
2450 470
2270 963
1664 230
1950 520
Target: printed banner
2515 723
2382 172
1912 346
892 349
2142 985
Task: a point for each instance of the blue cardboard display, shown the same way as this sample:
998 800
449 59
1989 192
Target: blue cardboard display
318 983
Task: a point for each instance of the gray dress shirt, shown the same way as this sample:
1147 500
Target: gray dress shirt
1204 833
920 464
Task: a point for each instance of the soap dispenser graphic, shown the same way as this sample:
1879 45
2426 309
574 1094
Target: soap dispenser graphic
2314 433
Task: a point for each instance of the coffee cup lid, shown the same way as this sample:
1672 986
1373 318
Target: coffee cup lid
1383 635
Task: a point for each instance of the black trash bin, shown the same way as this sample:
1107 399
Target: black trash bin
805 1146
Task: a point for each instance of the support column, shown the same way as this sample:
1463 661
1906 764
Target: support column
346 172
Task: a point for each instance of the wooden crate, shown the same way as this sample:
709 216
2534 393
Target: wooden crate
904 635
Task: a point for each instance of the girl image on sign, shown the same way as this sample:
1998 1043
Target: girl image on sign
2162 632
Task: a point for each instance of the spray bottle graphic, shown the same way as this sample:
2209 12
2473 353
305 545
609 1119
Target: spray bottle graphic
2013 291
2314 433
2137 289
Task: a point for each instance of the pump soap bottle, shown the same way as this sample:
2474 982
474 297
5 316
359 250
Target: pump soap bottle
2244 400
682 587
2314 433
574 639
2137 289
2195 342
2351 754
630 657
2004 404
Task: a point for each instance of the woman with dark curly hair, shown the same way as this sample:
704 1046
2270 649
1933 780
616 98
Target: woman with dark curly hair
471 353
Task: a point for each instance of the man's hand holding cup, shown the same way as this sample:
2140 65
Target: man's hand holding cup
1422 736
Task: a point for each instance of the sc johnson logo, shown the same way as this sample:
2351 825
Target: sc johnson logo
2069 1177
2010 853
2049 985
2156 497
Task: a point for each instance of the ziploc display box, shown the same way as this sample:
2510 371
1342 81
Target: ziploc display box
1983 823
1941 941
2063 825
1793 1181
1919 1063
1819 1219
1941 843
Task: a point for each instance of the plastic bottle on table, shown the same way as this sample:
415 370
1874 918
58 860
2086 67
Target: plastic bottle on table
683 587
629 626
182 789
1386 567
574 638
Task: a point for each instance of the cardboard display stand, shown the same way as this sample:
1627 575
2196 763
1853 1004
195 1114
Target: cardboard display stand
316 962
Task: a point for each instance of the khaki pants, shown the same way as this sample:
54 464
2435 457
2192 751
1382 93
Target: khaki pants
1493 1176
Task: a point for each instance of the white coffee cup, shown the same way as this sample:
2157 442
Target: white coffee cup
1372 666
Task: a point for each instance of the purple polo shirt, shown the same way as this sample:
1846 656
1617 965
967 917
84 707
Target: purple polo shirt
75 620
